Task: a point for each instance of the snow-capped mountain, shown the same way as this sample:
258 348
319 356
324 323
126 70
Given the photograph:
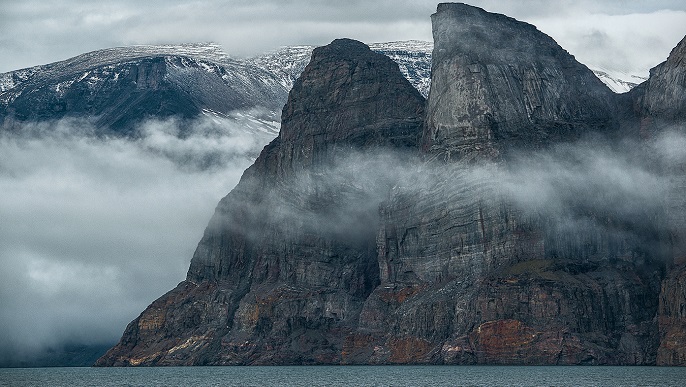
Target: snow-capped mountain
618 81
413 58
119 87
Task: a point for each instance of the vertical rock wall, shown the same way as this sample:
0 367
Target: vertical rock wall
322 254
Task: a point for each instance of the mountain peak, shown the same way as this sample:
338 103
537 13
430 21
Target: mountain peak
339 80
513 86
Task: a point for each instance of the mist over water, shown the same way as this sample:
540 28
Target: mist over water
95 228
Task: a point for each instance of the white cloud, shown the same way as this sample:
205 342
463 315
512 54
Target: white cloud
630 43
94 229
37 32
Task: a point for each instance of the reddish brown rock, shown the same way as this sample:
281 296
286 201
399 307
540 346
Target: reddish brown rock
672 319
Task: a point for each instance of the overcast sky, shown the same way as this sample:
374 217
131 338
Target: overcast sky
623 35
91 231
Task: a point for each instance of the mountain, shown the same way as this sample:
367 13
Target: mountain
414 59
618 81
119 88
660 106
315 271
516 216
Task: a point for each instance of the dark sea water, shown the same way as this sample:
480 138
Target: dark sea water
346 376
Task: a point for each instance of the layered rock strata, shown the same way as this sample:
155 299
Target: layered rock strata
491 282
660 106
337 247
498 83
284 267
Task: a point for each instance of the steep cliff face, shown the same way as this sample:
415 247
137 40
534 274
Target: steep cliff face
660 101
289 256
509 86
338 246
478 278
660 104
672 319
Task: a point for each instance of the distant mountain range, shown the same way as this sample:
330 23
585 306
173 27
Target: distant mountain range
119 87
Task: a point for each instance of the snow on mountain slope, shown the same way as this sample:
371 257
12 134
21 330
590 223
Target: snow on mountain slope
123 85
618 81
413 58
120 87
286 63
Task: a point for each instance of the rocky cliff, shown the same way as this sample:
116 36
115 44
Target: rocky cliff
509 86
289 257
492 281
382 229
660 108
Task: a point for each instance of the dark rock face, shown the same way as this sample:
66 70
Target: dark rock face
660 101
310 261
483 270
509 86
660 105
672 319
289 257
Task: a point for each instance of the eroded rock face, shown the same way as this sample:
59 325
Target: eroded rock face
661 100
495 283
672 319
660 104
498 84
289 256
340 247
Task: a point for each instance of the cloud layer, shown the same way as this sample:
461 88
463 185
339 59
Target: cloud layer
94 229
627 36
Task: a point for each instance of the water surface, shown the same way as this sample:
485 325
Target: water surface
347 376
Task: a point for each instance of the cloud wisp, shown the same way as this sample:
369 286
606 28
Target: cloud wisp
96 228
586 191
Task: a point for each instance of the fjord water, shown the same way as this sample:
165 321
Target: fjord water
347 376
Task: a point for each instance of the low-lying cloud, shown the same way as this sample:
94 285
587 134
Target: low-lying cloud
93 229
625 192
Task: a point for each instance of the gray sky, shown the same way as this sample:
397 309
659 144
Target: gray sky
91 231
622 35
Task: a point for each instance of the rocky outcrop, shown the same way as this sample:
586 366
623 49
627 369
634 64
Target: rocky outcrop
672 319
488 269
660 105
339 246
499 84
660 101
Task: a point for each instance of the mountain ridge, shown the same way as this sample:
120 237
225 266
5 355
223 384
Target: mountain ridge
284 63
